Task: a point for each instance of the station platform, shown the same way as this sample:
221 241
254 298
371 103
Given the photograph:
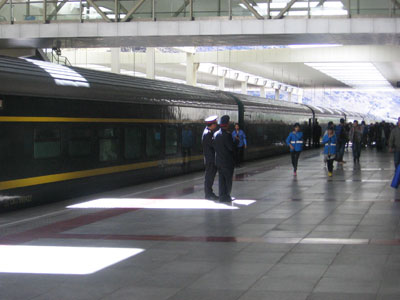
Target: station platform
306 237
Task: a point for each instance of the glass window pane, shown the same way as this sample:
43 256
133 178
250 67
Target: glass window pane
80 142
109 149
153 141
133 143
171 141
47 143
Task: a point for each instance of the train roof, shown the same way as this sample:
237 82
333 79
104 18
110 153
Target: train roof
279 107
27 77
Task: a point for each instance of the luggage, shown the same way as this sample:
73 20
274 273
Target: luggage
396 178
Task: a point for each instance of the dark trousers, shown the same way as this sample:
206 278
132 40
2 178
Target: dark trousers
211 170
396 158
356 150
295 159
329 163
239 152
225 183
340 151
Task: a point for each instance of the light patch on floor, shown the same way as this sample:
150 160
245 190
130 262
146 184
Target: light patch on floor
159 203
60 260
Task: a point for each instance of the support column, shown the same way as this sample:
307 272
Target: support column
191 70
244 87
150 63
263 93
276 94
221 83
115 61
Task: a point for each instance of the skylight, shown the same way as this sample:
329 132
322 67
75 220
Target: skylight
356 75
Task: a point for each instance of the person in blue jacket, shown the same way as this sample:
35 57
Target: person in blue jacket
329 140
240 143
295 142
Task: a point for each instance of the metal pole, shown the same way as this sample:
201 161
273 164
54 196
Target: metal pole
153 10
309 9
45 11
116 11
191 10
269 9
11 12
230 9
80 11
349 8
358 7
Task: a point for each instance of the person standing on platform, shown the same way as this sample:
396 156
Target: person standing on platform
356 134
394 143
329 140
341 136
209 157
317 134
295 142
240 143
224 160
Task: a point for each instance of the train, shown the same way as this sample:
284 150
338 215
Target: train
67 132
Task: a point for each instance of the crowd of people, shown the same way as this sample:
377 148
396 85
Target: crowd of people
224 150
337 138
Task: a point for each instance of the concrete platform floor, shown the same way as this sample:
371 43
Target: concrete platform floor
305 237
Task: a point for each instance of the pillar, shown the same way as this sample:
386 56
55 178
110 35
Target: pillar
151 63
115 60
276 94
191 70
263 93
244 87
221 83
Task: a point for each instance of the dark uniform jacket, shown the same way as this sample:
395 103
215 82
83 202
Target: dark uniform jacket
208 147
223 145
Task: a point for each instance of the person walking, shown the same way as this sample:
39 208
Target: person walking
341 136
223 145
295 142
356 134
240 143
209 157
329 141
394 143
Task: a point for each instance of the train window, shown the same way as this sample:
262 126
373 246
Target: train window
188 139
47 143
133 143
171 140
108 144
79 143
153 141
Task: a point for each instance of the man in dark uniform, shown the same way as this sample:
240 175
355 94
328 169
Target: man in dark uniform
209 157
224 160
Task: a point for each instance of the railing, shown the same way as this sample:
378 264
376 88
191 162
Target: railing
55 57
46 11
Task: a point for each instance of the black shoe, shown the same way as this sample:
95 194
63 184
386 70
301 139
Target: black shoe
212 197
226 200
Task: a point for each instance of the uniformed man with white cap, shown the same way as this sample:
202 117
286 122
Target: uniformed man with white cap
223 145
209 157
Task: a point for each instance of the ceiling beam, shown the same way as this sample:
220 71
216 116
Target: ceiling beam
99 11
57 9
397 4
133 10
252 9
2 3
286 9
